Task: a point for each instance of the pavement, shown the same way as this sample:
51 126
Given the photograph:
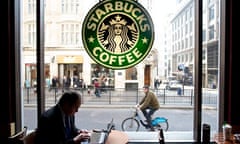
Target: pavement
124 106
121 98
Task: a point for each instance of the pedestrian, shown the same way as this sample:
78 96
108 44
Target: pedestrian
66 83
156 84
97 88
55 84
35 86
102 83
57 124
149 105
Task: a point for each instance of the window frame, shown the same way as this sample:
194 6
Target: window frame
197 62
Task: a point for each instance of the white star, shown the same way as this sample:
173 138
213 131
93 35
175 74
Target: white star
91 39
144 40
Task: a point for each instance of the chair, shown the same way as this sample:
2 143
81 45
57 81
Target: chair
18 137
30 138
117 137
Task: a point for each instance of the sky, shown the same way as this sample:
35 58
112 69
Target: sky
158 10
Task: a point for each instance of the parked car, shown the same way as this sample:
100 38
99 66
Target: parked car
174 85
163 85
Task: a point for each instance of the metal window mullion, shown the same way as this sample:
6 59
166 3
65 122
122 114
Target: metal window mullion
40 58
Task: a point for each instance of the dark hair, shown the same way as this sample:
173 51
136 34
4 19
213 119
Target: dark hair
69 98
146 86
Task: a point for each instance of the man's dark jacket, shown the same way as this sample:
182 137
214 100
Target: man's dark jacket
51 128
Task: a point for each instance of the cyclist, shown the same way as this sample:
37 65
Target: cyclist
148 105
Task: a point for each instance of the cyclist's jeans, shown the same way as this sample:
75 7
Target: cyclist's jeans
148 115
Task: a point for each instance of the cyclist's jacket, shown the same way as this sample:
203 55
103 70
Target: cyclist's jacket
149 101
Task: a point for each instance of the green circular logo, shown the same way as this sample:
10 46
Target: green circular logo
118 34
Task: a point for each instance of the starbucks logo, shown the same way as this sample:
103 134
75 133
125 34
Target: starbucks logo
118 34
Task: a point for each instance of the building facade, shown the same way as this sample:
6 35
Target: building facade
64 51
182 41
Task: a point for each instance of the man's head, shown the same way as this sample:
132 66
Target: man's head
70 102
146 88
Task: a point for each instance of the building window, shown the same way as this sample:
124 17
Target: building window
31 30
31 74
186 57
191 41
211 13
186 29
211 33
70 7
191 57
191 26
131 74
203 35
204 54
70 34
31 6
186 43
190 12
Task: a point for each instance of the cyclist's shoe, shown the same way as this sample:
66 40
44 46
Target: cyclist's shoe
151 129
148 127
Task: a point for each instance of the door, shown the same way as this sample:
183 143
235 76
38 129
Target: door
147 75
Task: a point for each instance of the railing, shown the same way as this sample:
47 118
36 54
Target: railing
113 96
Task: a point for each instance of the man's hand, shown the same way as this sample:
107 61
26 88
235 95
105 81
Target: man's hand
84 131
82 136
137 107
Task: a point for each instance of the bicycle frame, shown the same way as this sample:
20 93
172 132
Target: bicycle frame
155 121
139 118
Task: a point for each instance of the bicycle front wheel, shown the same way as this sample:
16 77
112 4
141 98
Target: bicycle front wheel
130 124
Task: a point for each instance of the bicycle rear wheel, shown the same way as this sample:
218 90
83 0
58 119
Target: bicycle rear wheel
163 125
130 124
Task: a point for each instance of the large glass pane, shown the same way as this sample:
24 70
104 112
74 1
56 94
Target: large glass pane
29 65
210 64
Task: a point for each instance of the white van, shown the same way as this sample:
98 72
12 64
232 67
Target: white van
163 85
171 78
174 85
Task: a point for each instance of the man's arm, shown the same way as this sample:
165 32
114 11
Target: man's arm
146 102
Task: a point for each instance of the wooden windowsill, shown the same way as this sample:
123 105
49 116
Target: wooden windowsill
218 138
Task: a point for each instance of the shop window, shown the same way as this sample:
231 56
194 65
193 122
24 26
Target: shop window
100 72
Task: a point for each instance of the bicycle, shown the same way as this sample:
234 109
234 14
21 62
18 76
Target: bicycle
133 123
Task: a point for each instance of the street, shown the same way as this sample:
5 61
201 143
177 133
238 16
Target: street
180 119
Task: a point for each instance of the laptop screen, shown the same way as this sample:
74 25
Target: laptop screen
110 126
100 136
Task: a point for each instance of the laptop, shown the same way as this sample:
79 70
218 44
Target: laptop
100 136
